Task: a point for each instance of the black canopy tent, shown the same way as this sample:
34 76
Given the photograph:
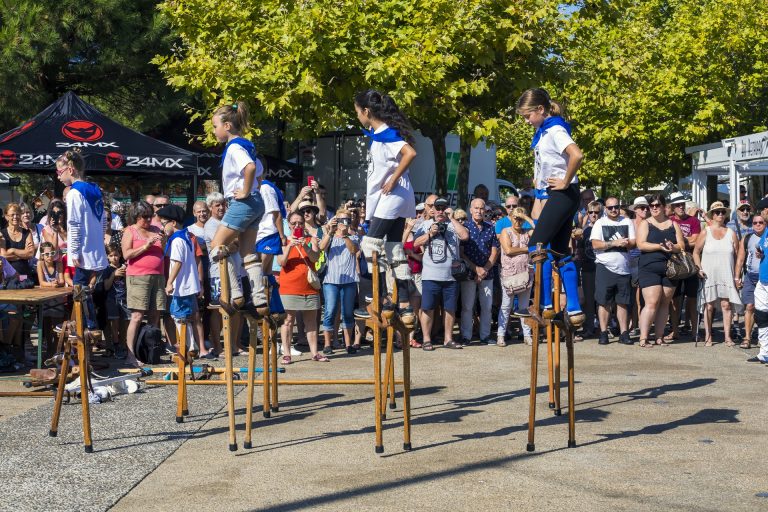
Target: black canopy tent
107 146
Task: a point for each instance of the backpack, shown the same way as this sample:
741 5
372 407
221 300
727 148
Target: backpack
149 345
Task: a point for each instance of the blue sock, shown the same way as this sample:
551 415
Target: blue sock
570 278
275 304
546 284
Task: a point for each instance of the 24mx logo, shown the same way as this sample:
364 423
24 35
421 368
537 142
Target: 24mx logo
168 163
86 145
81 130
37 160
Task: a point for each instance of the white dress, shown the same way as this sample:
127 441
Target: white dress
717 261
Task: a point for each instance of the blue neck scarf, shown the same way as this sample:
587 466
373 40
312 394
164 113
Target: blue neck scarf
184 235
92 195
547 124
389 134
280 199
245 143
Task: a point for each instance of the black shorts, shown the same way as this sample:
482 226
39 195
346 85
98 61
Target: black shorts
654 274
391 229
612 288
688 287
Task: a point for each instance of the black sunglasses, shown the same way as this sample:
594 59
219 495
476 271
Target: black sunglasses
615 207
441 208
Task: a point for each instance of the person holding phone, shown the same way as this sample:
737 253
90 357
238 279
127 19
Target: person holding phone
299 298
657 237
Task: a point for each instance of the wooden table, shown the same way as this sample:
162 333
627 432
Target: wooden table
35 297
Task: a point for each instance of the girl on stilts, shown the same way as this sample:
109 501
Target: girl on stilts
241 177
389 199
557 158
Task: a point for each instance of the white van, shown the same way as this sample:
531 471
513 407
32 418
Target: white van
339 161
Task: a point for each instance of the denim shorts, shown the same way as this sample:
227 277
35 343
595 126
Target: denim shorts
433 291
244 214
183 307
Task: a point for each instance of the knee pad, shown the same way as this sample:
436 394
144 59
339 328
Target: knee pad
369 245
397 259
761 318
251 259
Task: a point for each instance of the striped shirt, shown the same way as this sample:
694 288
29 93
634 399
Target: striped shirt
341 263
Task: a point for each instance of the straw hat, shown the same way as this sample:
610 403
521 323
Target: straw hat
639 201
718 205
308 204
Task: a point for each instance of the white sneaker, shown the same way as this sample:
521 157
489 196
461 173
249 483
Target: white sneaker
294 352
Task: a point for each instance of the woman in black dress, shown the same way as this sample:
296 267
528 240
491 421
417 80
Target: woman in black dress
657 237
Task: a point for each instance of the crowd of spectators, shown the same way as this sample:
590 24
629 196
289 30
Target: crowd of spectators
621 251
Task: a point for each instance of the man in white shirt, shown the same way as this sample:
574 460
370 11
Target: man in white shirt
612 237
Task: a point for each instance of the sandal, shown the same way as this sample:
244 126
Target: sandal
708 343
644 344
452 345
661 342
427 345
286 360
415 344
669 338
320 358
239 352
746 344
730 343
501 343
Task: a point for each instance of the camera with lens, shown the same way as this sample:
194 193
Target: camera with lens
441 227
57 216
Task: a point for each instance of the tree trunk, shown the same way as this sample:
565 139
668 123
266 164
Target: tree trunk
462 179
437 136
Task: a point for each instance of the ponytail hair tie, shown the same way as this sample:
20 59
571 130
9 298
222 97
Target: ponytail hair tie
234 106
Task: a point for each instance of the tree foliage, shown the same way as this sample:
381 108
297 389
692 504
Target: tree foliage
100 49
646 78
452 65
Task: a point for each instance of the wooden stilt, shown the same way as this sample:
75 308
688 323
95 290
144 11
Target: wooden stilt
66 348
556 354
229 338
253 341
550 367
274 403
182 409
571 391
535 325
377 389
266 343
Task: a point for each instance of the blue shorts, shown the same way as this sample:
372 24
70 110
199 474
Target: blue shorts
183 308
270 245
749 281
432 290
541 193
244 214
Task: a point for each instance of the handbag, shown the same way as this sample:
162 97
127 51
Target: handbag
516 283
681 266
312 278
459 268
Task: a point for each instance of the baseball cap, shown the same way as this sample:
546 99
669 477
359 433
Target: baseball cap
744 202
762 204
441 201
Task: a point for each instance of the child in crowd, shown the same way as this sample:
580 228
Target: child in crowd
50 274
118 313
183 283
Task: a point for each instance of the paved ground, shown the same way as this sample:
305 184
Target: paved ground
674 428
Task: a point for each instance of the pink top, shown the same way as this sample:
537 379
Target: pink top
149 262
512 265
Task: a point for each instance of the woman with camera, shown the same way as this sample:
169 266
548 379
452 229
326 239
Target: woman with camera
340 284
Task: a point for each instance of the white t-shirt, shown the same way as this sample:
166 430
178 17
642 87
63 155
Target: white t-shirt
267 224
232 175
550 157
85 233
439 253
615 259
208 232
187 280
384 157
